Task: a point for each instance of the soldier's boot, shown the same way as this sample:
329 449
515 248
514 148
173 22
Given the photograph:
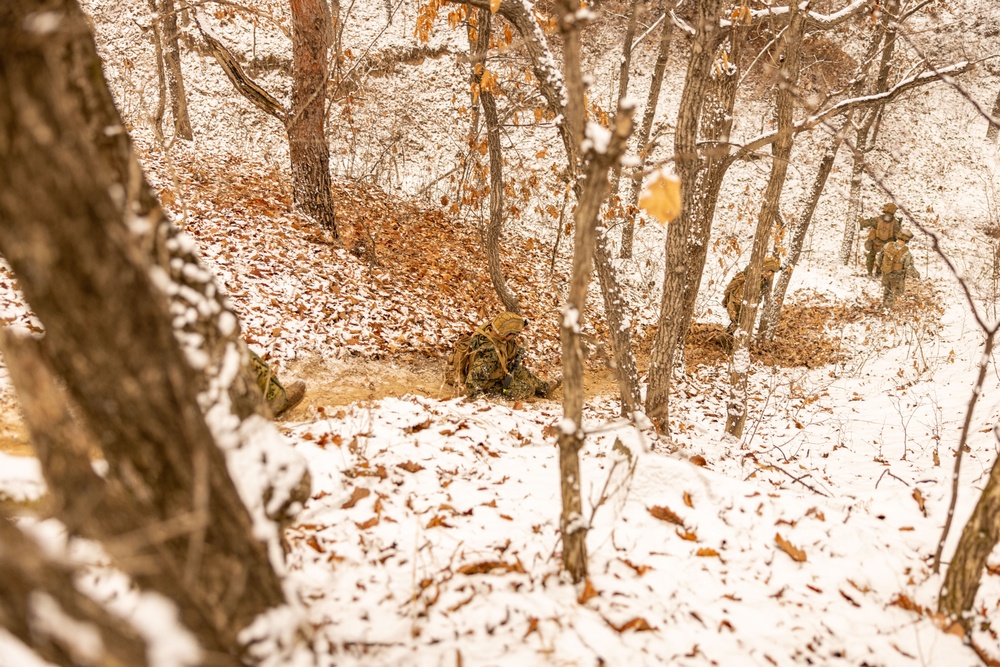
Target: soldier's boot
286 399
548 388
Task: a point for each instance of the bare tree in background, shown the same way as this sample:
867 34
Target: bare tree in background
699 189
305 120
479 43
631 206
993 129
867 125
789 55
95 259
169 35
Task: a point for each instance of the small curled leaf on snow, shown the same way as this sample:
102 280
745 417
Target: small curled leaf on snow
664 513
796 554
662 198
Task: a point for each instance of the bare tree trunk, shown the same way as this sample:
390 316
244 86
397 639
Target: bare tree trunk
631 207
864 140
175 77
615 303
981 533
32 583
781 151
489 105
108 336
769 321
994 127
690 165
307 144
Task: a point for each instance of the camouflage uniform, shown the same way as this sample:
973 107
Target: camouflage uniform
879 233
278 398
495 362
732 299
896 263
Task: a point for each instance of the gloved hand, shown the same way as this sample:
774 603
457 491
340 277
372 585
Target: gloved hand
507 379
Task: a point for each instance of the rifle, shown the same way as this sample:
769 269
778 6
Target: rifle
515 362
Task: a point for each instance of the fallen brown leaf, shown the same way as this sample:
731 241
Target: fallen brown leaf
796 554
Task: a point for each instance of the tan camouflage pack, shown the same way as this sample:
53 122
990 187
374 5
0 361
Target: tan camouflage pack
885 230
892 258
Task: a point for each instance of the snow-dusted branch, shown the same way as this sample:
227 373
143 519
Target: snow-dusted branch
814 20
246 86
844 106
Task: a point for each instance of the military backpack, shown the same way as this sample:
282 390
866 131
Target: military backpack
892 258
885 230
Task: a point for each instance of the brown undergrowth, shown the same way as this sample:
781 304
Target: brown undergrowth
809 331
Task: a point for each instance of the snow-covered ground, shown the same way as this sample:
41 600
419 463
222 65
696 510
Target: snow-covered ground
431 537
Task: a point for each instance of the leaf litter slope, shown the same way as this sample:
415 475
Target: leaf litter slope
431 536
432 531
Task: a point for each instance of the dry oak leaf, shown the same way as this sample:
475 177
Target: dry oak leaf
919 497
637 624
705 552
356 495
798 555
487 566
410 466
662 198
664 513
588 592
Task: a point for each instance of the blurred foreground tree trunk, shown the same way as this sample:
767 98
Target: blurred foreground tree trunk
305 121
94 257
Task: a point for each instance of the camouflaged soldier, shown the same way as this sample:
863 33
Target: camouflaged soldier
896 263
496 362
732 298
279 398
882 229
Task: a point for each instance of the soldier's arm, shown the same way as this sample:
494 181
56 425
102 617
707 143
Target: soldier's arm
481 372
908 267
864 223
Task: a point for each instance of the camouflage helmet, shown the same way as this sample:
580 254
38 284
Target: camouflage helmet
772 264
508 323
904 235
889 208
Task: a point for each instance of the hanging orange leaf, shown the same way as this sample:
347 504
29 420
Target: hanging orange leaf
798 555
494 6
662 198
